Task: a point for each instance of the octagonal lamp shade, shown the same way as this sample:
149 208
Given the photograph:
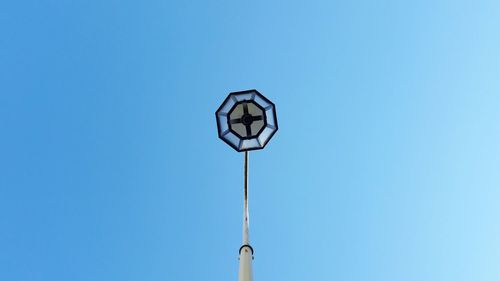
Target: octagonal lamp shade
246 120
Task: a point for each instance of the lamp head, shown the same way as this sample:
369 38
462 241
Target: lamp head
246 120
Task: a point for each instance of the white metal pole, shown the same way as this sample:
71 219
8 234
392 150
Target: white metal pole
246 251
245 203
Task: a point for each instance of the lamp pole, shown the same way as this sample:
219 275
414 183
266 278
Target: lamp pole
246 251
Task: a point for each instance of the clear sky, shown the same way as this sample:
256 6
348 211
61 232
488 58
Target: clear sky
385 166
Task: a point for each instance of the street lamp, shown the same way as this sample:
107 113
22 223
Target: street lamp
246 121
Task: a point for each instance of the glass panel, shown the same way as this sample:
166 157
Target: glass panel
256 126
261 102
254 110
237 112
270 117
242 97
240 129
222 123
227 106
232 138
265 135
251 143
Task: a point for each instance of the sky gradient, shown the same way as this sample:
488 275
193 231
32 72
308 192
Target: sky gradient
385 166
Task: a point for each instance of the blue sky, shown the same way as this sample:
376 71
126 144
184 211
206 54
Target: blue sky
385 167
